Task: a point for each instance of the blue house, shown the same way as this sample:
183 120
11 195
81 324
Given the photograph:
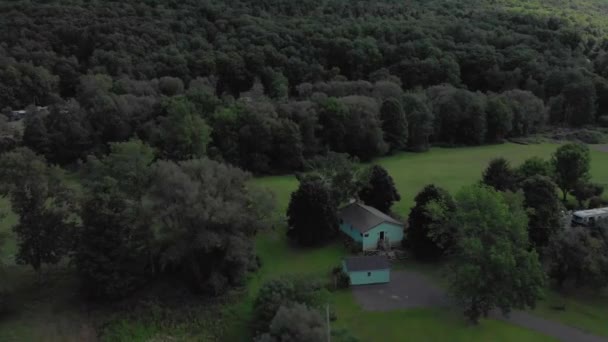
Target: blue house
369 227
365 270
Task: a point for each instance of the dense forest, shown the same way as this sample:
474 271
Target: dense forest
266 85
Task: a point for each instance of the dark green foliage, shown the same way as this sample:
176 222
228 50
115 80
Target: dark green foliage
584 191
394 124
281 292
183 133
363 135
312 212
544 210
535 166
296 323
44 205
571 163
341 279
578 257
428 235
499 119
493 266
112 253
420 121
114 241
4 287
500 175
461 74
460 117
378 189
340 171
62 136
204 220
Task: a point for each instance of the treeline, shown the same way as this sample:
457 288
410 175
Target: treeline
257 133
266 85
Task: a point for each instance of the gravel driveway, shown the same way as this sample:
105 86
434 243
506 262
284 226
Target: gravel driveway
406 290
414 290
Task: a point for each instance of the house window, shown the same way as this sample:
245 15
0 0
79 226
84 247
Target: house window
366 235
369 274
341 221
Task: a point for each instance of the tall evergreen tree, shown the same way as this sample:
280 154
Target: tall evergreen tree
312 212
500 175
379 189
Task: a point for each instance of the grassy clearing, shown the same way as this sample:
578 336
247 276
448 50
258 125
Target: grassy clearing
451 168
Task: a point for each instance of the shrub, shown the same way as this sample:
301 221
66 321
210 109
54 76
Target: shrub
340 279
603 120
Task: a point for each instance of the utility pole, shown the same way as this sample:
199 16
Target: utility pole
328 327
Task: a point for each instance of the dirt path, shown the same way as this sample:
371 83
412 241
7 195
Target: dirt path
411 290
603 148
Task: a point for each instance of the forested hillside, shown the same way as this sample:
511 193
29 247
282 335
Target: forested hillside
267 84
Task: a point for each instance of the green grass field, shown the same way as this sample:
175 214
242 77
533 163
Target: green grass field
450 168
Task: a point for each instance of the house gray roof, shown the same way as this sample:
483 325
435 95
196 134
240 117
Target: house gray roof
592 212
366 263
364 217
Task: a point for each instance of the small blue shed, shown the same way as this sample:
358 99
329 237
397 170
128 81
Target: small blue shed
365 270
369 227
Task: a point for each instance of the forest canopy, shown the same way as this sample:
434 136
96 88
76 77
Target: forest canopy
265 85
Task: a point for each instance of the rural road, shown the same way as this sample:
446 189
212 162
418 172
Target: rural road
411 289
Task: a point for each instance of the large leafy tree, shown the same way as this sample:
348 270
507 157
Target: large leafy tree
112 253
544 210
113 250
204 220
571 163
493 266
500 175
312 212
184 133
340 171
379 189
428 235
394 124
44 205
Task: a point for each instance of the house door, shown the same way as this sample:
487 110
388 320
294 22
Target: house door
381 235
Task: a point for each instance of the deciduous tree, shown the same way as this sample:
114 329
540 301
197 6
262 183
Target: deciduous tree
571 163
544 210
493 266
423 236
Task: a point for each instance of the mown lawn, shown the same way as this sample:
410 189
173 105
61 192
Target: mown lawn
423 325
450 168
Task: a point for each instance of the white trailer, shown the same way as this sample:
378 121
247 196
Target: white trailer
589 217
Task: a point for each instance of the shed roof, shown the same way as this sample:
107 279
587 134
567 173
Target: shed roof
592 212
366 263
364 217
